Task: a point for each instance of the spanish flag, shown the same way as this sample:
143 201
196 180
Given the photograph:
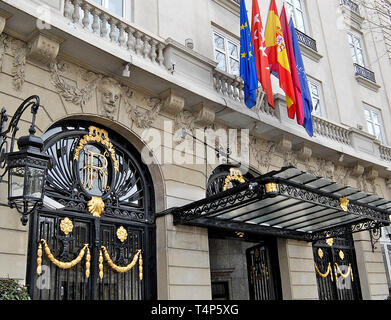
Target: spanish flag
278 57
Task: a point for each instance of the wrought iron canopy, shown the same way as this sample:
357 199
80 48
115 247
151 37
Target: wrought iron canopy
288 203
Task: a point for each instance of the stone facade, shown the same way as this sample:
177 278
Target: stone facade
191 96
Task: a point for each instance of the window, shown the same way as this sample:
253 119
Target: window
356 49
295 9
316 97
374 123
226 54
118 7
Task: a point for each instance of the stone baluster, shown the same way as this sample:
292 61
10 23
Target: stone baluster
122 38
147 47
86 18
241 92
153 50
104 29
229 87
95 21
224 88
160 56
113 33
131 40
216 82
76 11
68 9
236 90
139 44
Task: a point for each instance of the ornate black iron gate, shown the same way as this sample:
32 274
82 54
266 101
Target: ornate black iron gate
101 243
262 273
336 269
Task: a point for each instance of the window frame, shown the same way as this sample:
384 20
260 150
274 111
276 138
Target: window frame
318 84
377 111
359 37
126 6
227 54
303 12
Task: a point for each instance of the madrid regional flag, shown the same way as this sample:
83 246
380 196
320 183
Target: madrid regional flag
278 57
248 68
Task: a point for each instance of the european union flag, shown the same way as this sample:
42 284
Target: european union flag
305 91
248 68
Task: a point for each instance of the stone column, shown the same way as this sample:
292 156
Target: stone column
371 268
298 278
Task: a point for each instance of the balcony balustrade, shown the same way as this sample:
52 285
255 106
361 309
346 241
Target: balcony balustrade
96 20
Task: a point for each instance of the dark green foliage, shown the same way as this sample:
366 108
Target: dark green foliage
10 289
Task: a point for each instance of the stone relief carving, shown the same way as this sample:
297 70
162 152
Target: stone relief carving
142 120
69 92
183 120
4 43
110 94
20 50
258 147
145 119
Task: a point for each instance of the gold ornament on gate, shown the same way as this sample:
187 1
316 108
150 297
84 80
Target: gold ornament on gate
234 175
341 254
271 187
343 202
123 269
66 226
61 264
320 253
100 136
96 206
122 234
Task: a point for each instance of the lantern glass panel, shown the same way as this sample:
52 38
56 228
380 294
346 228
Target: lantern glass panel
16 182
34 182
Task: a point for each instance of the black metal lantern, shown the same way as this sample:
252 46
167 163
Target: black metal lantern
27 168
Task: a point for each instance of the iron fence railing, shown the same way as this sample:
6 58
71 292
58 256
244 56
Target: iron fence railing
351 5
364 72
306 40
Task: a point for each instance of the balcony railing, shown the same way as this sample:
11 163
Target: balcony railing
104 25
236 1
306 40
330 130
351 5
228 85
364 72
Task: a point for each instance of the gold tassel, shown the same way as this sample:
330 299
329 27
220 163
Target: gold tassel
88 259
140 266
100 265
39 259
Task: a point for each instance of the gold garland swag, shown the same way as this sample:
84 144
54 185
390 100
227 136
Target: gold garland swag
120 269
61 264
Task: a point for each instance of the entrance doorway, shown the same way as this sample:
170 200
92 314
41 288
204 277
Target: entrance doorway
243 267
95 236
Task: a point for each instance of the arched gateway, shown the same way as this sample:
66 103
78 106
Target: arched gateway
95 236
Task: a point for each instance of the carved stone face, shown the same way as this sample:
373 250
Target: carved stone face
110 97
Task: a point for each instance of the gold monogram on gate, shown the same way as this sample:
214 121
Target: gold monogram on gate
95 169
95 162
